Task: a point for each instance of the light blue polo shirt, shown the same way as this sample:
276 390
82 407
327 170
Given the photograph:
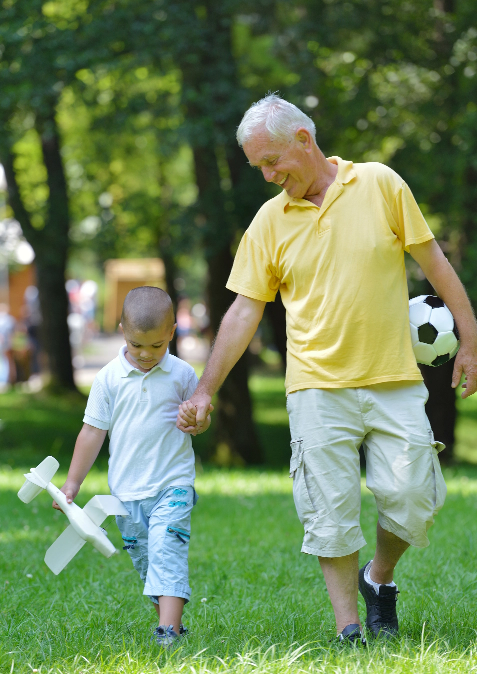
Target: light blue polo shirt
139 410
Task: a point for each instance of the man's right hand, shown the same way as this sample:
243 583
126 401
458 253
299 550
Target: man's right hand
70 490
193 413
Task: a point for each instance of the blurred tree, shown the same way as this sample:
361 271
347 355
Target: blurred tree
36 43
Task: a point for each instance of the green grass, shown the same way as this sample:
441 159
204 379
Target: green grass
266 608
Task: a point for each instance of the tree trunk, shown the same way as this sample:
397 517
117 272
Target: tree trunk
51 248
235 428
235 431
52 262
170 267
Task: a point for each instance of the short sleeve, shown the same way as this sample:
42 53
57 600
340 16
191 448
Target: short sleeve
97 411
191 385
412 227
253 275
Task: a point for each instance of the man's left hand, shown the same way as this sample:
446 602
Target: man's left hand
466 363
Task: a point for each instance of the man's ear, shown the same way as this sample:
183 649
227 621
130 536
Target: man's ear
303 136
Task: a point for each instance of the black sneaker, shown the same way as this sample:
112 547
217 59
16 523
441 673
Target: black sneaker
352 636
381 616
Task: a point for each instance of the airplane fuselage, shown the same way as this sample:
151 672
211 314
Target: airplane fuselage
81 523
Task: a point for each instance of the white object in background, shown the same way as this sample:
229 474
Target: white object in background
84 522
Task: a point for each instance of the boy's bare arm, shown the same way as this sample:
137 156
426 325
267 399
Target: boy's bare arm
88 444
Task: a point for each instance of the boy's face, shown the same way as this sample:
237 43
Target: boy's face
147 349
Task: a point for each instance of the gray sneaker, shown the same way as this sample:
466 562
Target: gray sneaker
352 636
165 636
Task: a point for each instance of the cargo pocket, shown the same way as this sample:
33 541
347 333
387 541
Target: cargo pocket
296 456
303 505
439 482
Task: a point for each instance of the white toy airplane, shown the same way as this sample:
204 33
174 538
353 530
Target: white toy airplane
84 523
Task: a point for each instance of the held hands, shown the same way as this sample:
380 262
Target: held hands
194 415
466 363
70 490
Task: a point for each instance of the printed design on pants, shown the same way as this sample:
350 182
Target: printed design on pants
178 491
135 544
177 504
130 542
181 534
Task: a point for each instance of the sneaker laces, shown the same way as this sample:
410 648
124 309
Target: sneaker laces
387 606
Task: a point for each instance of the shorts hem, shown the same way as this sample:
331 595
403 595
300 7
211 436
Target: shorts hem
172 591
400 532
334 552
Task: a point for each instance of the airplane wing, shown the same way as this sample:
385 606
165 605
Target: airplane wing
99 507
63 550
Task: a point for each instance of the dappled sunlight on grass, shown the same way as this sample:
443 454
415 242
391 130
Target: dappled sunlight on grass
258 605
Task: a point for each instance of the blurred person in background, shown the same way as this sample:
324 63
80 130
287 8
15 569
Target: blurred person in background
21 352
32 321
7 364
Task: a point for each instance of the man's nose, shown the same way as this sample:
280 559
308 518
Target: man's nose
268 173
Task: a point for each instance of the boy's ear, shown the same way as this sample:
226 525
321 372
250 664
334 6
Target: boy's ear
173 331
120 329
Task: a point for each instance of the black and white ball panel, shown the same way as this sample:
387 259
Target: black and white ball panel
434 335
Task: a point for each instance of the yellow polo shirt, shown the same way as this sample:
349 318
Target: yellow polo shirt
340 271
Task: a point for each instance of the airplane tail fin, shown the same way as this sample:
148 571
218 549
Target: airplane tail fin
37 479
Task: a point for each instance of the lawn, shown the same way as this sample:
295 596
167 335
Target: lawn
258 604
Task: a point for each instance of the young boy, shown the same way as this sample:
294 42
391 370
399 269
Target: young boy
135 399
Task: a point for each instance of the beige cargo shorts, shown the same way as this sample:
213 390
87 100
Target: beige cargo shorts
402 467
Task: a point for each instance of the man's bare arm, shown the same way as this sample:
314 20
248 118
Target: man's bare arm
448 286
236 331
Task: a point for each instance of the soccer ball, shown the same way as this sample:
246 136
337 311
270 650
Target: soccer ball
434 334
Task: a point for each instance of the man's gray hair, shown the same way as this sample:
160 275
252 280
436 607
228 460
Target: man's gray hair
279 117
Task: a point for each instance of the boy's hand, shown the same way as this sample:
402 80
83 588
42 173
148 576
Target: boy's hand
187 419
70 490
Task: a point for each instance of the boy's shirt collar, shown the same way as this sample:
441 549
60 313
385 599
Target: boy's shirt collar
165 364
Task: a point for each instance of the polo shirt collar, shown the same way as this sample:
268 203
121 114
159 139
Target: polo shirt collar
346 173
165 364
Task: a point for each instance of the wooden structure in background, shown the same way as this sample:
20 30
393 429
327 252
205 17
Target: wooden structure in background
18 281
123 275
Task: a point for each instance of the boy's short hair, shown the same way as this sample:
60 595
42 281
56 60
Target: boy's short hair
146 308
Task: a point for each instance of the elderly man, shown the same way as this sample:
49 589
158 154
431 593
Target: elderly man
333 244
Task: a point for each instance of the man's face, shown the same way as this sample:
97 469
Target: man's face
288 164
147 349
